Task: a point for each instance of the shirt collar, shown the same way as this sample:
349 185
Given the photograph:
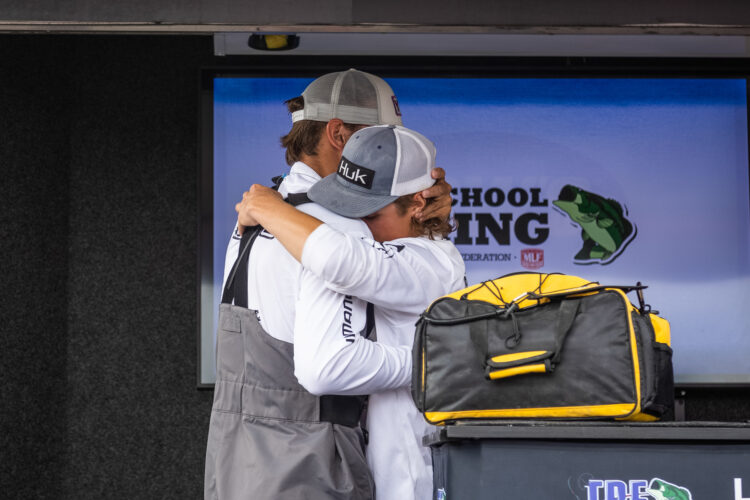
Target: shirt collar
305 170
299 179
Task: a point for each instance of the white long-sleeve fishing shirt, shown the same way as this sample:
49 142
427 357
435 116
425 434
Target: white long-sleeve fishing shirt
401 278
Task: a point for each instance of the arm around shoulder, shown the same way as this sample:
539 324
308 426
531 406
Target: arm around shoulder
402 275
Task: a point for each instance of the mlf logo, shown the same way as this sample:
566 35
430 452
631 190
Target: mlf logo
637 489
532 258
395 105
356 174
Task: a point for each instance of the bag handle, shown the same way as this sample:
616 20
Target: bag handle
522 362
579 291
565 318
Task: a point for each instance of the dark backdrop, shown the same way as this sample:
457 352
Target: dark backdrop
98 194
683 16
98 212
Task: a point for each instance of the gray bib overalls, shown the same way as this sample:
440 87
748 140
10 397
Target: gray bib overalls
270 439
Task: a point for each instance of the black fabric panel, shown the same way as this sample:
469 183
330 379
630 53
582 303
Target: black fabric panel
582 378
137 426
342 410
717 404
33 245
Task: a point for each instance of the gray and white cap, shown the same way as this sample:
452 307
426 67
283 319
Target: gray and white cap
353 96
378 165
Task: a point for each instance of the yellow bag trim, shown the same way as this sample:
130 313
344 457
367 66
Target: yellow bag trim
518 370
633 349
619 409
424 369
661 329
639 417
504 358
516 286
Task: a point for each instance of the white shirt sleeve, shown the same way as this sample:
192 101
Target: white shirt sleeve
330 355
402 275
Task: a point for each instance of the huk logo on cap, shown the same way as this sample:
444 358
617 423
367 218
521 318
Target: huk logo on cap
357 175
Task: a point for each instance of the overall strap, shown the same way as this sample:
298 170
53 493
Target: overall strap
297 199
235 290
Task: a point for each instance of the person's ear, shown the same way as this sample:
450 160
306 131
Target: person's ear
418 203
336 134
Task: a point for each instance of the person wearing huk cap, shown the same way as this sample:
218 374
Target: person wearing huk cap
402 268
287 405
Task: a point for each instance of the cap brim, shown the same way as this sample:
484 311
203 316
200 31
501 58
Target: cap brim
333 195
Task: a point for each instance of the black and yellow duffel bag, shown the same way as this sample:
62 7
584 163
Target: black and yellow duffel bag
553 346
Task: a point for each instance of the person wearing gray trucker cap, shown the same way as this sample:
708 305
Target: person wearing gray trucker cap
402 268
278 431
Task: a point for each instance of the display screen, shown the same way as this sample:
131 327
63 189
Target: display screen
615 180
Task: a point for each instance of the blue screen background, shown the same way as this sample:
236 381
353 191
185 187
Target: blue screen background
672 152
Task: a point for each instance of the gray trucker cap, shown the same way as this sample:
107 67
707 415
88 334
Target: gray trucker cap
378 165
353 96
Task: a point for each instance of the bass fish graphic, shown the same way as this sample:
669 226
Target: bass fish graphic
662 490
604 229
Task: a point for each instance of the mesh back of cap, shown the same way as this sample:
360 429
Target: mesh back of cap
352 96
319 91
417 155
356 90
